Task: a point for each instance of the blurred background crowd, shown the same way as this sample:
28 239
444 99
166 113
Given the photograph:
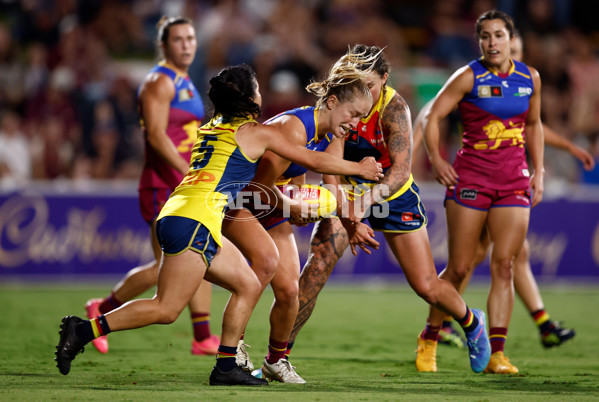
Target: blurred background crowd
69 69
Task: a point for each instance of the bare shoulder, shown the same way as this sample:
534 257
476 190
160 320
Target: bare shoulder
396 116
463 76
396 105
536 77
533 71
291 127
255 138
258 132
157 84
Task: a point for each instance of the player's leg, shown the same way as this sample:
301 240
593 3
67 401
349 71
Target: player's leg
413 253
180 277
134 283
284 308
462 245
204 342
448 335
507 229
247 234
528 291
329 242
231 271
143 277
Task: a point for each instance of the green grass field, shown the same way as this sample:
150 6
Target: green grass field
359 345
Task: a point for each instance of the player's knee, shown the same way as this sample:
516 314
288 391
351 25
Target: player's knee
456 273
265 265
427 290
168 315
502 268
252 287
287 294
524 255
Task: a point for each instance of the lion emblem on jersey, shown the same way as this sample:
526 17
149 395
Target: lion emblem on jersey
497 132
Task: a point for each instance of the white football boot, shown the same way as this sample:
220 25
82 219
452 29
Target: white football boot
243 358
281 371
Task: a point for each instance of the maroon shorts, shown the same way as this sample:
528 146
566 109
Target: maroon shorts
151 201
482 198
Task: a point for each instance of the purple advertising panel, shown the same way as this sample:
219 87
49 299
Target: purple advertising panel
71 235
68 235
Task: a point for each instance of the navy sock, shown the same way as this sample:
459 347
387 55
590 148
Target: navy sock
84 331
225 359
469 321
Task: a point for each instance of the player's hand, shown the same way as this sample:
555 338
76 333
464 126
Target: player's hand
446 174
536 185
303 213
371 169
588 162
361 235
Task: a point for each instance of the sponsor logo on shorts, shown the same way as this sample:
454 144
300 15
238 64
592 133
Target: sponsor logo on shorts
468 194
407 216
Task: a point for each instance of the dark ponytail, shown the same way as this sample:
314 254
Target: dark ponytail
232 92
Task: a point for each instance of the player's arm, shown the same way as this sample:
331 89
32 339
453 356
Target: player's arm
397 129
272 166
534 138
262 137
458 85
359 234
417 127
557 141
155 97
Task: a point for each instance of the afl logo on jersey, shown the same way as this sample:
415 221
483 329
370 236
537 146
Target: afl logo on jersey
490 91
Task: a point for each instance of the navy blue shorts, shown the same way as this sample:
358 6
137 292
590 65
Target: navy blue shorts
403 214
177 234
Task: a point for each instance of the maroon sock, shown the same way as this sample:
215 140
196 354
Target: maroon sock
109 304
497 337
276 351
430 333
201 326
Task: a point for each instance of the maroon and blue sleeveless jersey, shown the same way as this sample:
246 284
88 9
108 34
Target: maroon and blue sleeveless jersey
308 117
185 116
494 118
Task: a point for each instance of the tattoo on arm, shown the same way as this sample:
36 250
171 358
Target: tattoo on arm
396 122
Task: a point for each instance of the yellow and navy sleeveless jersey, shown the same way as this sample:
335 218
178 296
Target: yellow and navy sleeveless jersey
308 117
185 116
368 140
494 118
217 172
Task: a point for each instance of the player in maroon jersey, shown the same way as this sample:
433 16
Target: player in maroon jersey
489 183
551 333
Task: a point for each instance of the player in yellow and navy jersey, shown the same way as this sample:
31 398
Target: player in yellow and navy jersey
343 98
171 111
396 210
489 184
189 226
